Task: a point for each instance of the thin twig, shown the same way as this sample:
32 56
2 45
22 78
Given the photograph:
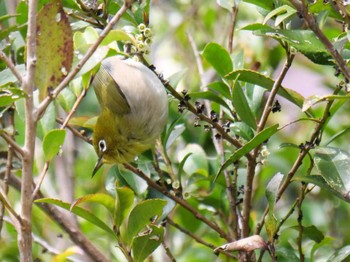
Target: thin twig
197 239
44 104
11 66
12 143
41 179
168 252
6 203
232 27
178 200
74 109
75 132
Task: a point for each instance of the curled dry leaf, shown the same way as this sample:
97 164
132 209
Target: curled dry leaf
246 244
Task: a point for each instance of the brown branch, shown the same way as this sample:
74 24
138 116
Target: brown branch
11 66
312 24
25 234
232 27
75 132
12 143
248 190
197 239
178 200
74 108
44 104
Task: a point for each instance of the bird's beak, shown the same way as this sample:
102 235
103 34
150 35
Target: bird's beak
99 163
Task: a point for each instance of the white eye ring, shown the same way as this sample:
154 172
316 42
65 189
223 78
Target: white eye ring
102 145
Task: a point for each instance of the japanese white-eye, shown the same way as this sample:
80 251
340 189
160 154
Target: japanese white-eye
134 110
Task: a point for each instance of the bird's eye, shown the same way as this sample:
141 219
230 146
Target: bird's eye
102 145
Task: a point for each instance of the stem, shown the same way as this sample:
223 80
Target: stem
25 234
232 28
11 66
252 163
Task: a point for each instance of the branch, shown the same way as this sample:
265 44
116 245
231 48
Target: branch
312 24
12 143
248 190
232 28
44 104
25 234
11 66
197 239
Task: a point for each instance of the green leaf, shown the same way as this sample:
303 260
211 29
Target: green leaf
257 140
334 166
54 47
218 57
118 35
173 132
282 13
106 200
47 121
83 213
311 232
221 88
340 255
241 105
304 41
197 162
10 95
315 99
322 183
7 77
243 130
320 6
123 203
272 190
142 214
266 82
266 4
66 99
52 143
145 244
270 225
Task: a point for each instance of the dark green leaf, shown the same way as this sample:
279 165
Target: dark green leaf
320 6
334 166
147 242
218 57
241 105
311 232
304 41
52 143
142 214
221 88
256 78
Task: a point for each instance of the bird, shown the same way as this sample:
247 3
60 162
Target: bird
134 110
